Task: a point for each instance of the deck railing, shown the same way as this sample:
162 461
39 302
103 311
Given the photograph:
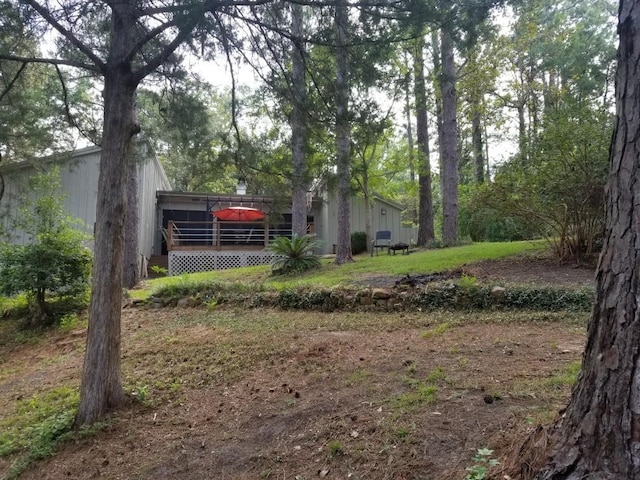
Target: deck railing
221 235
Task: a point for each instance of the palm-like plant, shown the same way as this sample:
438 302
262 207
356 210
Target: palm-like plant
294 255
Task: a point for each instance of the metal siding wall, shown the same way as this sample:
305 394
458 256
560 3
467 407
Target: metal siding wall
78 184
15 183
151 178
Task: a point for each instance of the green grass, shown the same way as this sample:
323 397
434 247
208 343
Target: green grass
331 275
38 424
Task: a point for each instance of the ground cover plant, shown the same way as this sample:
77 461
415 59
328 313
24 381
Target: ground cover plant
243 393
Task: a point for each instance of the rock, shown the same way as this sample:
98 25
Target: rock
366 301
185 302
362 293
498 294
381 294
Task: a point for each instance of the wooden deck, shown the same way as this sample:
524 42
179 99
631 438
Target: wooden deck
221 235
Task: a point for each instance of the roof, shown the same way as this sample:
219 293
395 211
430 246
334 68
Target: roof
55 158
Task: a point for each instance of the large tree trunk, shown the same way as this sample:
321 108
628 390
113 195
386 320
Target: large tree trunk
598 437
426 231
449 147
343 252
101 388
131 268
298 125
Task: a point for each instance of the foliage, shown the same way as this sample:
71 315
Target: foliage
32 121
450 295
484 462
56 262
294 255
37 426
483 223
561 191
159 270
358 242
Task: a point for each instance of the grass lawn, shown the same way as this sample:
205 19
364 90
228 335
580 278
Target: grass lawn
330 274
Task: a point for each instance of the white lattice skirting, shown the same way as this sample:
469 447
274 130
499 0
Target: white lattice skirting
201 261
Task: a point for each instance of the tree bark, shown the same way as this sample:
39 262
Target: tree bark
478 143
598 437
343 252
426 231
131 268
449 147
101 388
407 101
298 125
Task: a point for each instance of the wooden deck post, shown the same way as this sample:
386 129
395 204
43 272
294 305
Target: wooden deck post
218 242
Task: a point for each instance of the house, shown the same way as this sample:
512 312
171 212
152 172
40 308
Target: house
194 240
180 228
79 172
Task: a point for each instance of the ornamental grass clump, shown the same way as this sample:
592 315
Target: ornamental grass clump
294 255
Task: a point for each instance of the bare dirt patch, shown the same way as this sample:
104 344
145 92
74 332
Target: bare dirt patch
338 396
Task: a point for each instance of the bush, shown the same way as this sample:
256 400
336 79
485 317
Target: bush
55 263
358 242
294 255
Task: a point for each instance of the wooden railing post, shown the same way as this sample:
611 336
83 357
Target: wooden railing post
218 242
170 235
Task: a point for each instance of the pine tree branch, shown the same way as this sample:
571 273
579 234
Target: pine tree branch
12 82
90 54
51 61
70 118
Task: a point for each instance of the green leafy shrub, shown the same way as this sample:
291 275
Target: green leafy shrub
56 263
294 255
466 296
358 242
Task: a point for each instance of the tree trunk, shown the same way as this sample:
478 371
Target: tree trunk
131 268
437 86
343 252
477 131
101 388
368 201
407 101
598 437
298 125
425 216
449 147
478 143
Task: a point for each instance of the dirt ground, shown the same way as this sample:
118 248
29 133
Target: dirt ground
412 400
